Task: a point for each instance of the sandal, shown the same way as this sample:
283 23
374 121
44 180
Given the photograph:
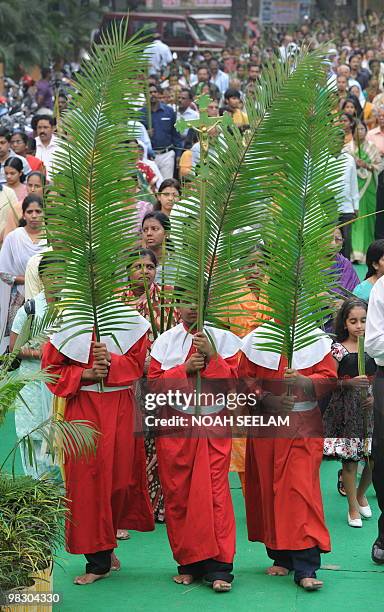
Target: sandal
122 534
115 563
340 484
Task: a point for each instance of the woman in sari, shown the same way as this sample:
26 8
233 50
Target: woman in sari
17 248
35 184
369 164
345 276
142 272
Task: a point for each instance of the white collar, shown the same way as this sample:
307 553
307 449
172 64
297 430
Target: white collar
131 326
172 347
303 358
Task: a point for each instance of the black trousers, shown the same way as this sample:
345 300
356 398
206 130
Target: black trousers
304 563
209 569
378 447
379 224
99 563
347 234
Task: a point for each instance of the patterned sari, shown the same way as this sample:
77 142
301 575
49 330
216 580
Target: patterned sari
141 305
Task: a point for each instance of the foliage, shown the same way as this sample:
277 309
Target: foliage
296 142
40 31
31 527
91 213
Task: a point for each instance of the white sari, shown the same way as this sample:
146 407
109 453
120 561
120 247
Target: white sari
14 255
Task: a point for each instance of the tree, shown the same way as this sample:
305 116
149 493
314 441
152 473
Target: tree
41 31
238 18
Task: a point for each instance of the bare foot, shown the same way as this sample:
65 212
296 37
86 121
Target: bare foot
183 579
221 586
122 534
277 570
115 563
311 584
89 578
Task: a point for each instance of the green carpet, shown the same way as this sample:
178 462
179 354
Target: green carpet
352 581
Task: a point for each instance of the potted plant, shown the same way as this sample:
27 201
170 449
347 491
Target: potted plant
32 510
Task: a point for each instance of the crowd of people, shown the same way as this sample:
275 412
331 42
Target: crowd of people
183 479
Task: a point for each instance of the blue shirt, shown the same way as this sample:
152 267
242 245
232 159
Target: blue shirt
164 131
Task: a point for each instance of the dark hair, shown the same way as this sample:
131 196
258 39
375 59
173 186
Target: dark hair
375 252
158 88
160 217
45 72
139 253
22 135
31 144
5 134
351 119
355 53
356 125
47 260
188 91
355 101
340 332
171 182
41 176
232 93
49 118
17 164
32 197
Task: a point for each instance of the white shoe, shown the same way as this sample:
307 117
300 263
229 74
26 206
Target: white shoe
354 522
365 511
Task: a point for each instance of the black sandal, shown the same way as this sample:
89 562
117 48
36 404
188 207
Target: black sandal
340 484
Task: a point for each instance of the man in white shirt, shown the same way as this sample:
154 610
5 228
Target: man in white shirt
218 77
185 111
46 142
348 199
159 56
374 346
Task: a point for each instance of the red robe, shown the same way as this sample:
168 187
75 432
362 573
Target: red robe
282 475
194 477
97 486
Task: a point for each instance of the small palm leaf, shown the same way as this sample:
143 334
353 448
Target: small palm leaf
75 439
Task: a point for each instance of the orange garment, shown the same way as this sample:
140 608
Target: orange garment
185 164
254 313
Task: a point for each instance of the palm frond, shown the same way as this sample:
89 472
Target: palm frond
75 439
295 141
245 188
91 212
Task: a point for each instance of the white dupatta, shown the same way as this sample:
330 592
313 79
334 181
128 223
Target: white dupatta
14 255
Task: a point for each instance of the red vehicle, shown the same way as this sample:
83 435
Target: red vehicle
180 32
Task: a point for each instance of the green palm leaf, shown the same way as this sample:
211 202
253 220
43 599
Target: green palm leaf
245 181
296 139
91 212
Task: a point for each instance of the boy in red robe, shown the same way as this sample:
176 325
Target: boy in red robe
194 468
97 487
282 474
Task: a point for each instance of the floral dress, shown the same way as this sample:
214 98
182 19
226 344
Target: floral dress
347 426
